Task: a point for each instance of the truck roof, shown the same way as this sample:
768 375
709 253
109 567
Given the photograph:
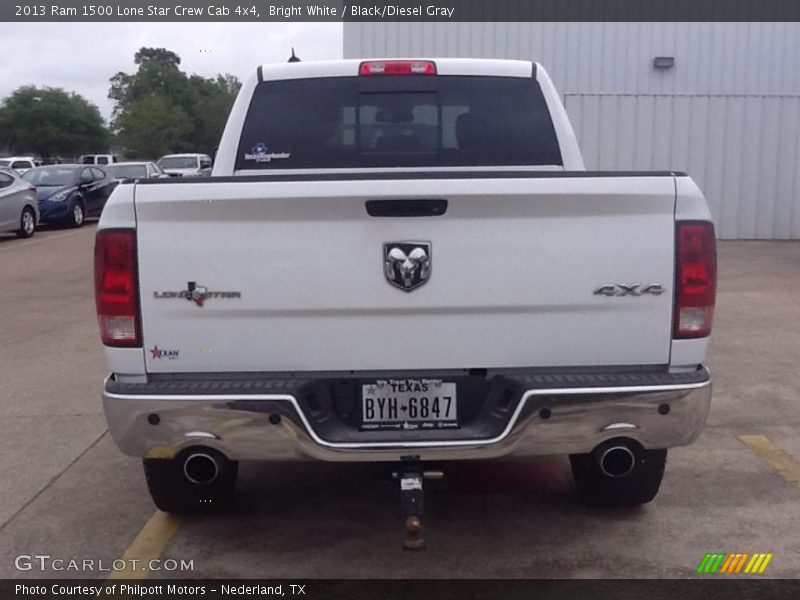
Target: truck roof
350 67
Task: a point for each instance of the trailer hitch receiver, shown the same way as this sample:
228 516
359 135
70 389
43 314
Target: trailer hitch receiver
412 509
412 503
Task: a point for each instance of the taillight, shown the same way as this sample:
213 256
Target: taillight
115 287
695 278
397 67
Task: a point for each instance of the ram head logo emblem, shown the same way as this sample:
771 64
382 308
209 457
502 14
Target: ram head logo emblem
407 265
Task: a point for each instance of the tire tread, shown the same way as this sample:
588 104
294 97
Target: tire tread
21 231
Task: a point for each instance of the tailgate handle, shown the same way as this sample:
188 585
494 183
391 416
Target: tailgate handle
416 207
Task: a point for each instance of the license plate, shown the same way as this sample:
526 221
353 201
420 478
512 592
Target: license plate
409 404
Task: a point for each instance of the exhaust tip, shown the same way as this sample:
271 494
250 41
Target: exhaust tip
201 468
617 461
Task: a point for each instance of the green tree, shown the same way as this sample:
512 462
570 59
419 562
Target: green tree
152 127
51 122
158 74
159 109
209 104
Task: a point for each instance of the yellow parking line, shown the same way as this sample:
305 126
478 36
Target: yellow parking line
148 546
786 466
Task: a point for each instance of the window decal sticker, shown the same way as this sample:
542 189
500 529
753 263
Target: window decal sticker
260 153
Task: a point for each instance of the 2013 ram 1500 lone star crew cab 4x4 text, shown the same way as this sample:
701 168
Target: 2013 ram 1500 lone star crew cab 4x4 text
404 260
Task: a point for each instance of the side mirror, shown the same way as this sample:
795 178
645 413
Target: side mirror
85 179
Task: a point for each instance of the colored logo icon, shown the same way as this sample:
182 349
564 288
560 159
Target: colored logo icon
733 563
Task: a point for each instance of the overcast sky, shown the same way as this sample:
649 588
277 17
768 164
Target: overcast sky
82 57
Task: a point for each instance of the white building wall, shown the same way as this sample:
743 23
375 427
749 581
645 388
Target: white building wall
728 112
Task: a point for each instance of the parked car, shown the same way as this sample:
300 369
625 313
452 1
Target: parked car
135 170
186 165
19 163
19 208
446 282
70 193
98 159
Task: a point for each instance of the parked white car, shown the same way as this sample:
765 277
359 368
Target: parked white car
20 164
186 165
19 209
404 261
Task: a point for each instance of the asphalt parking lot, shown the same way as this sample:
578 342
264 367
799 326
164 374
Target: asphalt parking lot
68 492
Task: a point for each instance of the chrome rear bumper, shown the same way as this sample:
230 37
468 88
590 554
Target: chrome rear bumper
273 426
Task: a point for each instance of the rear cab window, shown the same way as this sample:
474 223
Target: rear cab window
408 121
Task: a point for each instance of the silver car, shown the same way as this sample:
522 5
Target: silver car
135 170
186 165
19 208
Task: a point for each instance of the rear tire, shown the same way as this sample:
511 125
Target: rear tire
27 223
639 486
172 492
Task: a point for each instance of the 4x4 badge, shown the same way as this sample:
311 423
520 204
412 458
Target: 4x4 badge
636 289
407 265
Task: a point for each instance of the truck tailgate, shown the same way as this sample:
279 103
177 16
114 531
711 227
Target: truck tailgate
515 262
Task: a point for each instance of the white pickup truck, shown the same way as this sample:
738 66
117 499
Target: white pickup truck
404 260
